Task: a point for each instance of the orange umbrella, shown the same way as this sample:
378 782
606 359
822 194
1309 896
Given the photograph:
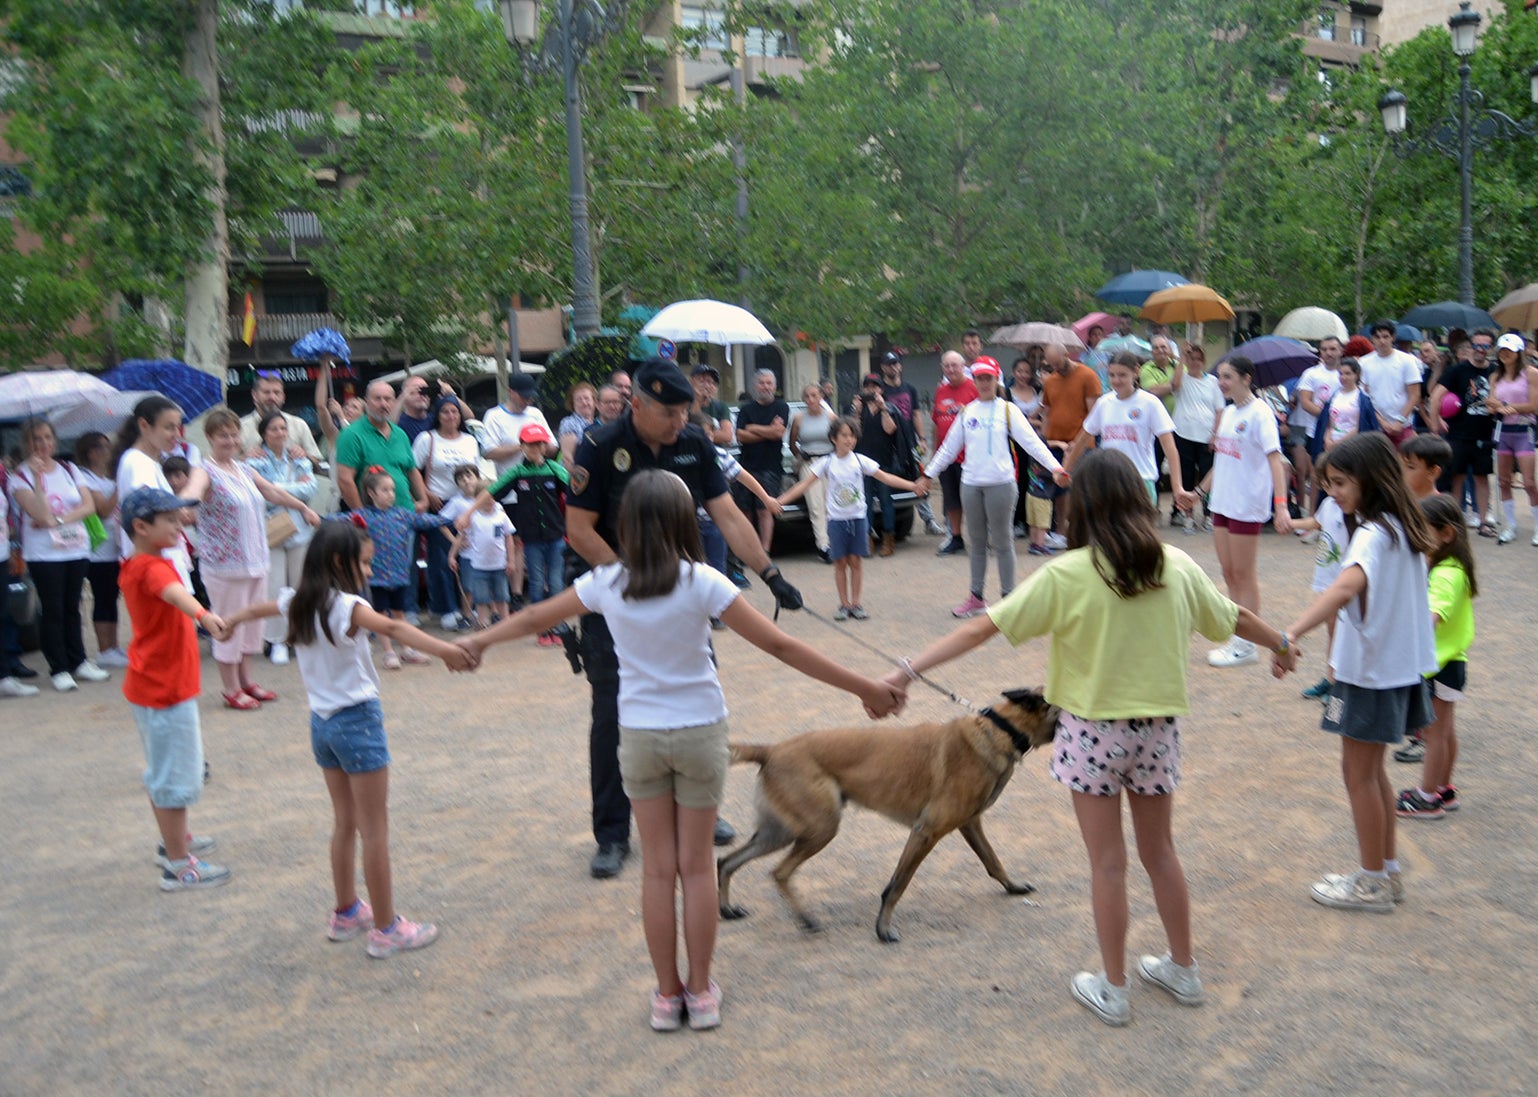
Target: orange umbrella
1188 304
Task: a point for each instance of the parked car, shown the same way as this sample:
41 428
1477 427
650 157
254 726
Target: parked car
795 518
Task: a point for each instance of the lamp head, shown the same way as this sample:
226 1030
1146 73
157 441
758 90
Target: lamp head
1464 23
1394 108
520 21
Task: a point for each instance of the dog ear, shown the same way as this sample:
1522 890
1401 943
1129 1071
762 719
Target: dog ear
1029 699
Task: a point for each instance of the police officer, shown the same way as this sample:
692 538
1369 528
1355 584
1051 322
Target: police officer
655 433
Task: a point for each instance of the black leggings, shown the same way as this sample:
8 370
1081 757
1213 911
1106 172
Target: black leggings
59 583
1195 461
103 577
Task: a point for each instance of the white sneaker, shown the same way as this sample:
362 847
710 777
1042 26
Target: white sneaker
1473 521
15 687
1235 653
1056 540
64 682
278 656
1183 982
1508 535
449 622
1356 891
1535 538
1105 1001
414 620
112 657
90 672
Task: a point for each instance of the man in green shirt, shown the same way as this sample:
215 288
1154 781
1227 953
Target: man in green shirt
1158 375
375 440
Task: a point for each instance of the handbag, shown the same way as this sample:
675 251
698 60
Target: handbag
21 601
280 527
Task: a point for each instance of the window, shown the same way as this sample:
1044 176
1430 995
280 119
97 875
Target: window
770 42
1358 30
294 300
1327 26
708 24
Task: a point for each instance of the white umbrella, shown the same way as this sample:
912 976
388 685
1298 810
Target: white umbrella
707 321
1023 335
1313 324
73 402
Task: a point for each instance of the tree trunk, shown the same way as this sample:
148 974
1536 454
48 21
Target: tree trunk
207 303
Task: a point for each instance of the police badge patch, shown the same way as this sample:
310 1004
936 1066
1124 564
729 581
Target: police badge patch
579 478
622 460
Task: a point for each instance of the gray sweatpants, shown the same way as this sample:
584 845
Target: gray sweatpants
989 511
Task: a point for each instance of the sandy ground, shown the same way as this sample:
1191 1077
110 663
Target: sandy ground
539 982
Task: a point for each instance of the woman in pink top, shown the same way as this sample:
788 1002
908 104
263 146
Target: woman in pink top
1514 397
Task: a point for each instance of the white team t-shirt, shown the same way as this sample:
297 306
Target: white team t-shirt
1197 403
1392 644
1330 548
1130 426
62 489
1387 379
845 478
336 675
1241 463
137 469
663 685
1321 382
1345 414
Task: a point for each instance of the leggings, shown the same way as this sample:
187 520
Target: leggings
1195 461
989 510
59 583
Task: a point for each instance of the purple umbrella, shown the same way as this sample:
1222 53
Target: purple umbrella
1277 359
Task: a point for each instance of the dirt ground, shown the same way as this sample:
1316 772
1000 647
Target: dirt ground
540 980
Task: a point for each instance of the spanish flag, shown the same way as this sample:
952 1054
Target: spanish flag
248 324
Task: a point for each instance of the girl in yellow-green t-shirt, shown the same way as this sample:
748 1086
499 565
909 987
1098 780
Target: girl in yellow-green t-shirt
1120 606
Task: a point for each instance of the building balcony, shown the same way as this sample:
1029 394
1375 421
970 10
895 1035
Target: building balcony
756 70
1336 44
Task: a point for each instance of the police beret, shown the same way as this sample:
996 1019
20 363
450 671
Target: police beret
664 382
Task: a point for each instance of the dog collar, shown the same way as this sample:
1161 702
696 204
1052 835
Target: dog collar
1022 744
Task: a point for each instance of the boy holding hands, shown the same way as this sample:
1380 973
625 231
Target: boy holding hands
163 680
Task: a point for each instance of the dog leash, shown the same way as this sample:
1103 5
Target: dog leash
949 694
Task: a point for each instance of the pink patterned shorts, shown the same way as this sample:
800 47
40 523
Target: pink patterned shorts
1100 757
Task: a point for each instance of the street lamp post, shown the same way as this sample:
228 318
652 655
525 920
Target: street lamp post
1468 127
579 25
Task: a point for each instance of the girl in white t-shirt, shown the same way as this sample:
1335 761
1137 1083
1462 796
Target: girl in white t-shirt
1247 480
673 752
844 472
1383 648
1132 421
1328 526
329 620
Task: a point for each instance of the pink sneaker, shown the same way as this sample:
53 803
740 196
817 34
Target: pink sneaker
400 936
667 1011
414 657
704 1009
970 608
344 927
391 661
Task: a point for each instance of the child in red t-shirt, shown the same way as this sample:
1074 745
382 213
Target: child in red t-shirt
163 681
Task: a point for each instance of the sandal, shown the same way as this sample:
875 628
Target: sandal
259 694
241 700
1487 529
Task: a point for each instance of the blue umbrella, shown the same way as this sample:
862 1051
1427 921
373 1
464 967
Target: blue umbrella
193 390
1277 359
1449 314
319 342
1135 287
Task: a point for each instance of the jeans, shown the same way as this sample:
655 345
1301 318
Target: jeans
547 570
442 590
714 544
880 496
59 583
989 510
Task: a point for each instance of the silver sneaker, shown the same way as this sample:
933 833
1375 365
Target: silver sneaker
1105 1001
1395 884
1358 891
1184 983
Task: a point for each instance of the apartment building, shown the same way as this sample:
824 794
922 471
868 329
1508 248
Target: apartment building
1342 32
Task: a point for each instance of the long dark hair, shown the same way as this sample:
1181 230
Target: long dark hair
1441 514
1112 516
148 410
657 529
1243 367
333 562
1371 460
265 422
86 443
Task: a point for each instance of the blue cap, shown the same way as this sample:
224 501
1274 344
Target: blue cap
145 503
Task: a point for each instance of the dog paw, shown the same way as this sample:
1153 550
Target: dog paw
732 913
810 925
887 935
1019 889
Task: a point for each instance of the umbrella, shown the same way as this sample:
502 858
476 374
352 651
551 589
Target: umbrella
1313 323
1103 320
707 321
1023 335
1277 359
1140 347
320 342
1519 308
73 402
193 390
1448 314
1134 287
1188 304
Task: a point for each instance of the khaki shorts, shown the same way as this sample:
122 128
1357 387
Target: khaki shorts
688 764
1038 512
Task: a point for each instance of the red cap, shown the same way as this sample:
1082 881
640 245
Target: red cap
986 366
534 432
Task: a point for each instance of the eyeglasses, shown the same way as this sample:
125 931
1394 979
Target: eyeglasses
1483 346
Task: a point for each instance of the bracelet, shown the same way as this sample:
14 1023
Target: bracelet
1285 647
202 613
1279 500
907 668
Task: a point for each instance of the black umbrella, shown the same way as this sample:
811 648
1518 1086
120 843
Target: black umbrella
1450 314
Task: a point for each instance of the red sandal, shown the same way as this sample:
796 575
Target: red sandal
241 700
257 693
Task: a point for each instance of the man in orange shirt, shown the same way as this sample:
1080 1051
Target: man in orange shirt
1069 390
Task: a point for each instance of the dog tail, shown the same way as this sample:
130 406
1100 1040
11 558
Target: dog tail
750 752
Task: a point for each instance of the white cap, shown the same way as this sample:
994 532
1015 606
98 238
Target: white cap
1511 341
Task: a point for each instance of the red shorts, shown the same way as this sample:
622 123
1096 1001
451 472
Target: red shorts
1234 526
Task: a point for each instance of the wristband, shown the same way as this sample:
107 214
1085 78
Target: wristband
1285 647
907 668
1279 500
202 613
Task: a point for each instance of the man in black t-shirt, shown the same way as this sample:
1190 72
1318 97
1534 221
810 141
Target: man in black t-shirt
880 435
1470 432
761 425
654 434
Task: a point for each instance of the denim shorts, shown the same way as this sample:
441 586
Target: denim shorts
484 586
351 739
848 537
173 753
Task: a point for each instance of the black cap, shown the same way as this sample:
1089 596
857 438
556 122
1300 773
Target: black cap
703 369
521 383
891 356
664 382
873 379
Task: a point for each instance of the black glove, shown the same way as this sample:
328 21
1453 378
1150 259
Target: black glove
785 595
572 645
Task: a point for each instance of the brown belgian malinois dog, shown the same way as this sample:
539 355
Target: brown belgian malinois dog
932 778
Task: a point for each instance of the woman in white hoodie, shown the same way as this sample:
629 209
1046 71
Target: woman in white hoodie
984 430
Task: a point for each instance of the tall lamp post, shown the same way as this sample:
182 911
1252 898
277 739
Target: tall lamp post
1468 126
578 26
